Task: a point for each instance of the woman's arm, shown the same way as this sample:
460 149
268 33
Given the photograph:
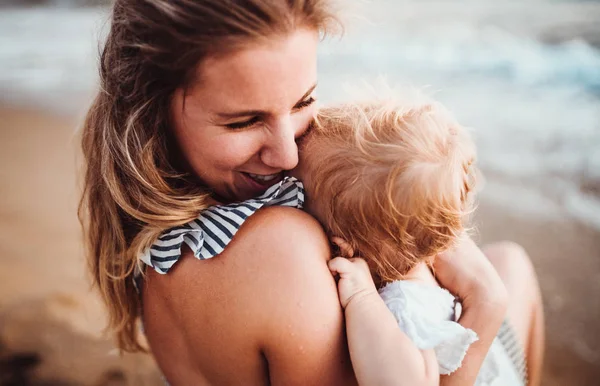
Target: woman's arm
381 353
467 273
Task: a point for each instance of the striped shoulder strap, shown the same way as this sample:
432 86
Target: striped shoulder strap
209 234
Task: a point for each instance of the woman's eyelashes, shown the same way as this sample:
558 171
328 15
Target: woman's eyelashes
254 120
242 125
305 103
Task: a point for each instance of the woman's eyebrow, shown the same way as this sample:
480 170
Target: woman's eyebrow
252 113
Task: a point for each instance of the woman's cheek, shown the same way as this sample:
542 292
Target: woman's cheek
238 148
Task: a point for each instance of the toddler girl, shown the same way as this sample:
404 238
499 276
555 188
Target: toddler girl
392 181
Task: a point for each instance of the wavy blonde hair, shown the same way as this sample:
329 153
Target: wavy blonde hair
133 188
392 178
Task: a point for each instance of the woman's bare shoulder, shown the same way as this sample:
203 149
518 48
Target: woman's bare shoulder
271 291
273 243
270 244
282 221
275 228
263 236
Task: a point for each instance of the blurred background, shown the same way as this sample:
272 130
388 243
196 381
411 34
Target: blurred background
524 75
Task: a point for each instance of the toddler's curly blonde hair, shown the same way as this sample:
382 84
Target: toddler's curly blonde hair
391 178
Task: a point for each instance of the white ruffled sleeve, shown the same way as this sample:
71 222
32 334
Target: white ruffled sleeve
426 314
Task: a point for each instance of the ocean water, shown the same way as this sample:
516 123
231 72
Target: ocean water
525 76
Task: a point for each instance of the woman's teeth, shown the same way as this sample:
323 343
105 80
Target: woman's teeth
263 178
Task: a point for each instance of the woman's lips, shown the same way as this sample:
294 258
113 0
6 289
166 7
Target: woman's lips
261 178
256 186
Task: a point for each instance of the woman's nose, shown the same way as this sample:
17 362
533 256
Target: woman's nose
280 150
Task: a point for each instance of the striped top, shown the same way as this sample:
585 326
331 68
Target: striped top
209 234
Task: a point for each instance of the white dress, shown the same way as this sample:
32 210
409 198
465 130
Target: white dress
427 315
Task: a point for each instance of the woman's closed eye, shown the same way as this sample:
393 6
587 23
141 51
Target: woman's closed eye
243 124
254 120
305 103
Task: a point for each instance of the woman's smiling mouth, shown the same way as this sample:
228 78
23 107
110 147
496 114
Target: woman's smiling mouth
253 185
262 178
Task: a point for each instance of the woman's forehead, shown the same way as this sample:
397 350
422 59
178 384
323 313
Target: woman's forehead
265 76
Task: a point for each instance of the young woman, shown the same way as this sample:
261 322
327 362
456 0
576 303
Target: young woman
203 102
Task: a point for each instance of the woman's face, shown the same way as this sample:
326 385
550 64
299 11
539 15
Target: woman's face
237 126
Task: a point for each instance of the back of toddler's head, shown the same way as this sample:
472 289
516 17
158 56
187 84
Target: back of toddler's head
392 178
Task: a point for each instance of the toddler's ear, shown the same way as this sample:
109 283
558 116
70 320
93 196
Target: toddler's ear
342 247
335 250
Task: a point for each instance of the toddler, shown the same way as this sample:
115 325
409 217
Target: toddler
392 181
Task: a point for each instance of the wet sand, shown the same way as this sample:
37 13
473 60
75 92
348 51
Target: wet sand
51 323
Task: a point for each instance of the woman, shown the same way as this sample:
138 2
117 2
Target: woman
203 102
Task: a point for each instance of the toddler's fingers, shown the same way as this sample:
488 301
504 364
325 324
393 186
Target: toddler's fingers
346 249
360 263
340 265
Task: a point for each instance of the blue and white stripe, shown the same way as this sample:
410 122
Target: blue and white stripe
209 234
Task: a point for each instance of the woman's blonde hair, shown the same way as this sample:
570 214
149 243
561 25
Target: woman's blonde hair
133 188
392 178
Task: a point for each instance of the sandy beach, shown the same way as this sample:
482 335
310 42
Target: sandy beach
51 322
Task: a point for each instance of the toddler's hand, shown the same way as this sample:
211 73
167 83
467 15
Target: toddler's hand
355 280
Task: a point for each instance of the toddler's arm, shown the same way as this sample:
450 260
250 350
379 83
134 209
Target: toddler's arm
381 353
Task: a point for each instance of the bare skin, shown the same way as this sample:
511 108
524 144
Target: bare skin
265 311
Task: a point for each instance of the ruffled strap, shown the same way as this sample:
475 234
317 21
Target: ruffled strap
426 315
209 234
